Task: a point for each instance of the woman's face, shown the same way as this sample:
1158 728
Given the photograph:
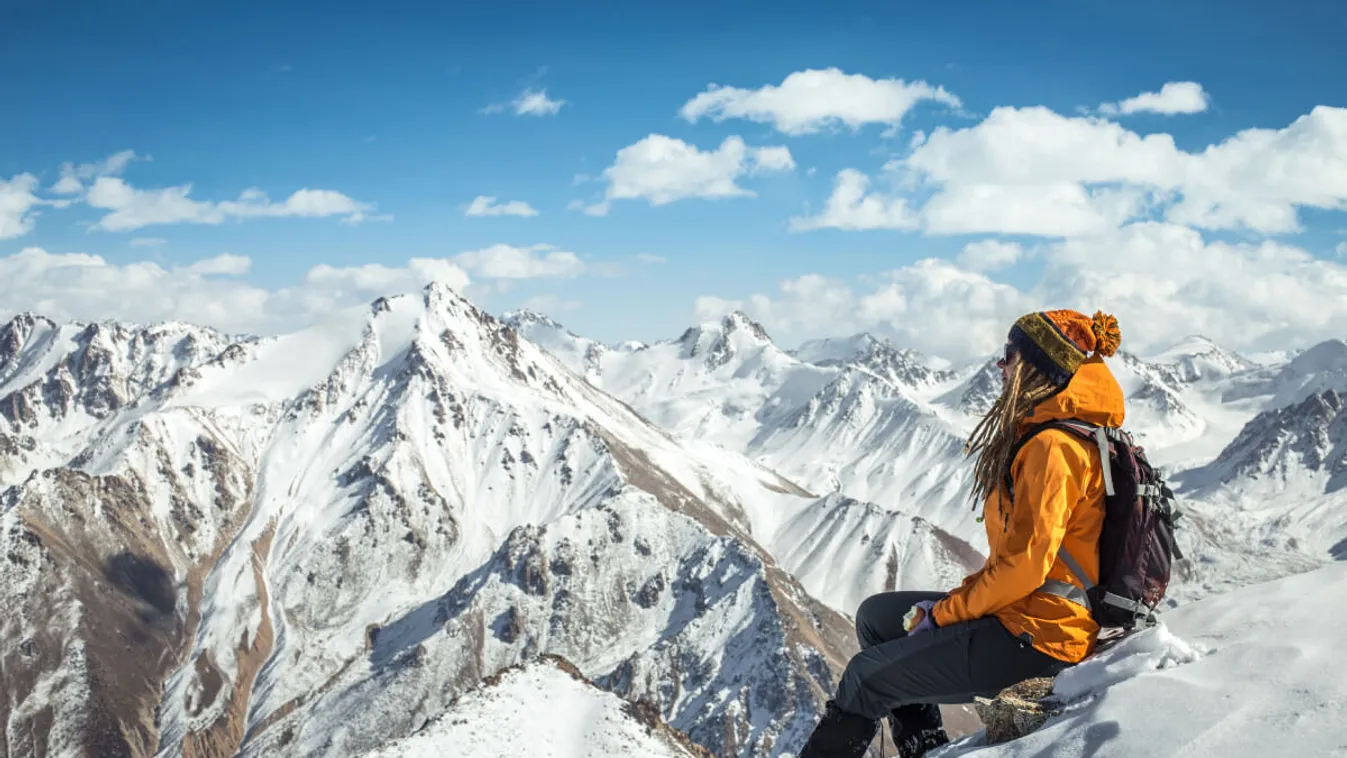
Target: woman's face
1007 363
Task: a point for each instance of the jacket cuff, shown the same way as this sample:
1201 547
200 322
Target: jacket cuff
942 614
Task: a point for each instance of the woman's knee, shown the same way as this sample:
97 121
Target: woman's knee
866 613
875 617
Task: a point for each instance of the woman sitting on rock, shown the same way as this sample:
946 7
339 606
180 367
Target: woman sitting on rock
999 627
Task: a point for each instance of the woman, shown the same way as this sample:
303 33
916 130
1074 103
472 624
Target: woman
996 629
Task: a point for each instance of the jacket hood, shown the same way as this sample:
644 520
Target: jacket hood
1093 395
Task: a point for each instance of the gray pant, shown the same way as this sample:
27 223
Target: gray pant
946 665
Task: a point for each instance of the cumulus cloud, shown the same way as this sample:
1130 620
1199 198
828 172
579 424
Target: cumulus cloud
809 101
508 262
1034 171
1055 209
78 286
99 185
375 279
17 202
225 264
133 208
73 177
1172 99
663 169
852 206
989 255
486 205
1161 280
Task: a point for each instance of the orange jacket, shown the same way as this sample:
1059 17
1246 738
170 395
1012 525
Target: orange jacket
1059 500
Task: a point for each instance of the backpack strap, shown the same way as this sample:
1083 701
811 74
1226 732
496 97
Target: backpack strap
1084 429
1067 590
1100 435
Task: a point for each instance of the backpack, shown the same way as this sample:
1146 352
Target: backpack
1136 546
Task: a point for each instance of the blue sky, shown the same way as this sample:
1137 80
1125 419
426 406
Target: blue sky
385 106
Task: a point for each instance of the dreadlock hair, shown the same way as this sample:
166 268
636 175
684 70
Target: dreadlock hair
996 433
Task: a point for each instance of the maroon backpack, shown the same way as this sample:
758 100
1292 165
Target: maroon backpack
1136 547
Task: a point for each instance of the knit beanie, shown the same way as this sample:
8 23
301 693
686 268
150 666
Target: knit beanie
1058 342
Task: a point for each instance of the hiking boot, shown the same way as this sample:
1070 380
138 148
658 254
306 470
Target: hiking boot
916 729
839 735
916 744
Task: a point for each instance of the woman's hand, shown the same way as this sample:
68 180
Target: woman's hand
920 618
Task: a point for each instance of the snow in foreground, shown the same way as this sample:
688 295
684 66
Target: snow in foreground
1254 673
539 711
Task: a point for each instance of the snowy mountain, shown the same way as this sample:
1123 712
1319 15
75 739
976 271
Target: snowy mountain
581 355
545 709
852 416
1198 359
1322 367
879 356
309 545
368 536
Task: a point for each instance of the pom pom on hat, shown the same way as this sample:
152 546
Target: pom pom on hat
1107 335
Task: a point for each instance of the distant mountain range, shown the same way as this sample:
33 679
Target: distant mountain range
334 542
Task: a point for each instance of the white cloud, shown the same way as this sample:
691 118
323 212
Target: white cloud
486 205
1342 250
1161 280
932 306
73 177
851 207
1034 171
507 262
133 208
16 205
663 170
374 280
809 101
225 264
530 102
148 242
772 159
652 258
78 286
536 103
1055 209
1173 98
989 255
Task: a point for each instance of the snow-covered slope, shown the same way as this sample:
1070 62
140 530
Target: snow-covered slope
902 367
583 356
1253 673
544 709
1196 359
308 545
850 422
1322 367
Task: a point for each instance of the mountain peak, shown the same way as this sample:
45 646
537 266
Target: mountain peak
739 321
877 355
833 350
521 317
721 341
1329 355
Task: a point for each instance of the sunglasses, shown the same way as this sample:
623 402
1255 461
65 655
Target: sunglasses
1009 353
